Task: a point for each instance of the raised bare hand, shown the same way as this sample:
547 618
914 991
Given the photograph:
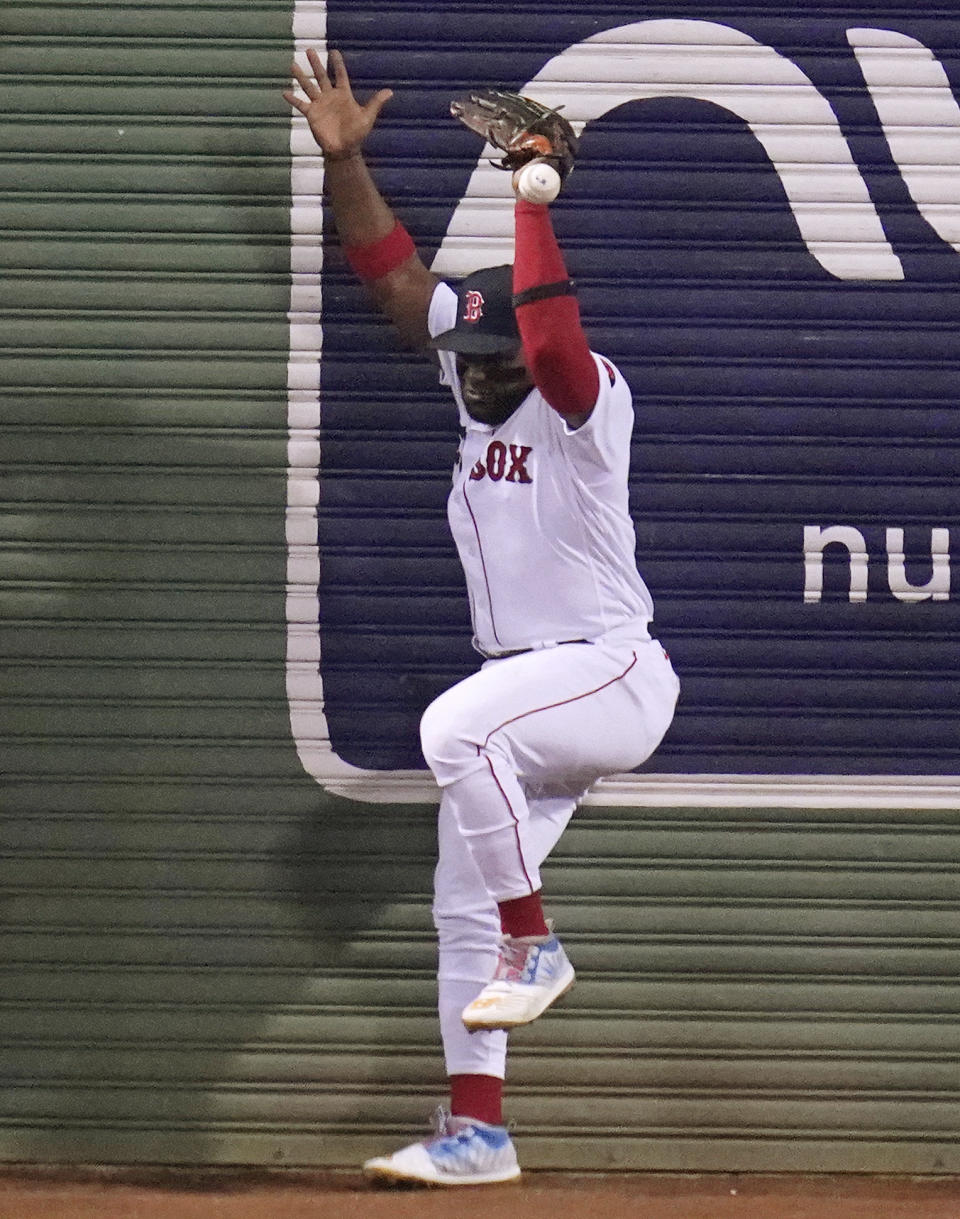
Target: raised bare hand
338 122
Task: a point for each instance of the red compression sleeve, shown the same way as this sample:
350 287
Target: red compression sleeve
379 258
553 340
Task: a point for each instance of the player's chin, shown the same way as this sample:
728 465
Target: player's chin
492 409
491 416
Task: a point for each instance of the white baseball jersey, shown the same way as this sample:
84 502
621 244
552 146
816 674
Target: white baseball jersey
540 517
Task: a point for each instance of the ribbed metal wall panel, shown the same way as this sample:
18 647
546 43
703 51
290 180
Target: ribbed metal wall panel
162 848
205 957
773 393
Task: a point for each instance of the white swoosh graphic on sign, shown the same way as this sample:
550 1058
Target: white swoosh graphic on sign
708 62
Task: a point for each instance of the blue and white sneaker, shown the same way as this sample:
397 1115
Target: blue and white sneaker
463 1151
532 973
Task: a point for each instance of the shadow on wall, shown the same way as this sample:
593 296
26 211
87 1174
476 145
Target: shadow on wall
213 973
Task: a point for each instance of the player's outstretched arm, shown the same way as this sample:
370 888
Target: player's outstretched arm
376 244
548 318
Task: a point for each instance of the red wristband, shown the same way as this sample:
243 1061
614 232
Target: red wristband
379 258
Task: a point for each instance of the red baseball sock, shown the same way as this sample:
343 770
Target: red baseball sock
478 1096
523 916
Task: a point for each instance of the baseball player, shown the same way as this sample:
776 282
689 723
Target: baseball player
572 687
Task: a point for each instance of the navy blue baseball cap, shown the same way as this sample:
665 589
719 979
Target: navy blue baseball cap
486 323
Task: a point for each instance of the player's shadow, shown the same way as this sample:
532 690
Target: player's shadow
360 874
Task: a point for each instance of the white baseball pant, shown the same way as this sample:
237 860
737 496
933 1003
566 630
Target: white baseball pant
513 748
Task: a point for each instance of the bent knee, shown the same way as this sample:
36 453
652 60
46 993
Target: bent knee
447 742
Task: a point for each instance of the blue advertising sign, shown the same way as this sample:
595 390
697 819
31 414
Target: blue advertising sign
764 227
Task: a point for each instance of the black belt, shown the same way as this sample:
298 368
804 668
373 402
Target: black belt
523 651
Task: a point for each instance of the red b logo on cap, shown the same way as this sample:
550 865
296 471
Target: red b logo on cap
473 307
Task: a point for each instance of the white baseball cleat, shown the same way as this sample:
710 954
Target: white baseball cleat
532 973
463 1151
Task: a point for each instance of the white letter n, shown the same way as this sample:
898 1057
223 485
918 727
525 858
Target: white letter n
814 541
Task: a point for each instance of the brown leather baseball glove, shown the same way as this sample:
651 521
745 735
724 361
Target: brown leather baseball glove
520 127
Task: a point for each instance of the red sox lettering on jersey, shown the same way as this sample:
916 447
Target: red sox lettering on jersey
503 461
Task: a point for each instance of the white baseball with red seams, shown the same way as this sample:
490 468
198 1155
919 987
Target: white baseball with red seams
537 182
540 518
